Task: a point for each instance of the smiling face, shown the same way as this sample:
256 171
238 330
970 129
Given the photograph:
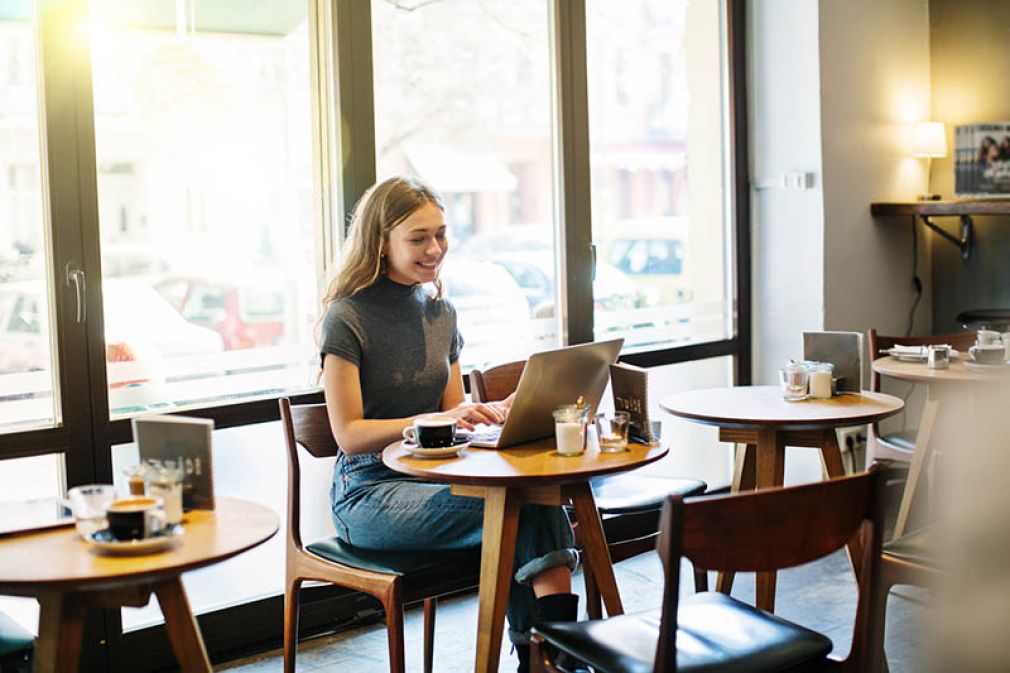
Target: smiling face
416 247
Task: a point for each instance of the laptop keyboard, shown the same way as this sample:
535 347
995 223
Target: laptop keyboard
485 433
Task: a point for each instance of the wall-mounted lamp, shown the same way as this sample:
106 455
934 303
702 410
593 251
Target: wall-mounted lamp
929 141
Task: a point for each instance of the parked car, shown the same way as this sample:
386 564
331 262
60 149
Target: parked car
247 309
527 252
652 253
139 326
493 315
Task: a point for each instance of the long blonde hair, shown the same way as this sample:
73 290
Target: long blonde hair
378 212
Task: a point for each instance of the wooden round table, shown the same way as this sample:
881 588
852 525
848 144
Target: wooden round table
758 418
68 576
506 479
949 400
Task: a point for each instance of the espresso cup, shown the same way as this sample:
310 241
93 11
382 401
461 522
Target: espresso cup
135 518
433 432
986 337
988 354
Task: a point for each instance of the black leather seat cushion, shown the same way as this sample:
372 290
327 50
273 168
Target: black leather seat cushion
716 633
903 440
398 562
14 640
630 493
916 547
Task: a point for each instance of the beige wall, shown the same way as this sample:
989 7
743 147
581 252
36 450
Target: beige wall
970 50
875 84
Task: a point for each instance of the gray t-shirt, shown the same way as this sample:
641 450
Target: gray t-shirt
402 341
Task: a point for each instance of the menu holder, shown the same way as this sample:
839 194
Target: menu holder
842 349
187 442
630 387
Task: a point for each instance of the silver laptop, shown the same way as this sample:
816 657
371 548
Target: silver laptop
551 378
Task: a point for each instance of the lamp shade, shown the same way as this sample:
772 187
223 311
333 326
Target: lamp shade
930 140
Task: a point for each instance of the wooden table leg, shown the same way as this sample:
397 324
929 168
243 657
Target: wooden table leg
501 521
769 473
183 631
923 439
61 630
743 480
594 545
831 457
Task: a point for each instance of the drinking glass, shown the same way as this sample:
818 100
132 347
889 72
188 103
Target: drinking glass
88 504
613 431
793 382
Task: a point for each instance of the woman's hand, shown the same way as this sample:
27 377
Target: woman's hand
503 406
470 414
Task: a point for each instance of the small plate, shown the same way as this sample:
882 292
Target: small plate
103 540
441 452
1002 367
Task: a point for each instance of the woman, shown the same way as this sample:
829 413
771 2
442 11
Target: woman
390 354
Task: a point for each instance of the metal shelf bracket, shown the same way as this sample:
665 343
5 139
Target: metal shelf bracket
964 242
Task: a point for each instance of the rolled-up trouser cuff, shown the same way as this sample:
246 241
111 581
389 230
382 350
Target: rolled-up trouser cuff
559 557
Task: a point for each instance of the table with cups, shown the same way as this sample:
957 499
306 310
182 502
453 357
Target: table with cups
551 471
68 575
955 383
766 419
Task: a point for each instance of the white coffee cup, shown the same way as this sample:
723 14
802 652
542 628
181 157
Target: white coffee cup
988 337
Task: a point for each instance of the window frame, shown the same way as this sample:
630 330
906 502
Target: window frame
343 129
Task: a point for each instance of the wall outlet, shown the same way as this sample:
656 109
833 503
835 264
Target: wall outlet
852 440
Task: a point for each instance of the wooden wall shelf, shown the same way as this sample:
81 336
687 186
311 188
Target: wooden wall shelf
962 208
942 208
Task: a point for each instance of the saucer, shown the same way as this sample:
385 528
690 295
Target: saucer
103 540
980 367
441 452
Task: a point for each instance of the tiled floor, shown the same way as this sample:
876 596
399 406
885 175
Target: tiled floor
821 596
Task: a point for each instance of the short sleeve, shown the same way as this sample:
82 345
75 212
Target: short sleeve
456 347
341 334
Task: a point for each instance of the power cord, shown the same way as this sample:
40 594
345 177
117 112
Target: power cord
916 281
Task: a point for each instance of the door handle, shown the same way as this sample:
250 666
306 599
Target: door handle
592 254
75 277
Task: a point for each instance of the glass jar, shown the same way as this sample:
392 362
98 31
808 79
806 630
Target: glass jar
820 375
570 422
164 480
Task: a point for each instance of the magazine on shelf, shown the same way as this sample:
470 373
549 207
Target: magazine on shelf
982 160
187 442
630 387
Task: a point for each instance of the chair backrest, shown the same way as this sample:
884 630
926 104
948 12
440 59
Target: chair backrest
960 341
770 530
496 383
307 425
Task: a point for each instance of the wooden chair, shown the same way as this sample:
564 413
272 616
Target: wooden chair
907 559
761 531
16 646
629 504
394 578
901 445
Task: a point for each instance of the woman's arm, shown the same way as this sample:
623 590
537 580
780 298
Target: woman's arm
355 434
470 413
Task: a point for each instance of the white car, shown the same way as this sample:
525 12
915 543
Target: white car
493 314
140 326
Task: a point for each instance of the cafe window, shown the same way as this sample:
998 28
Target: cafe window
472 118
662 269
210 110
205 195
